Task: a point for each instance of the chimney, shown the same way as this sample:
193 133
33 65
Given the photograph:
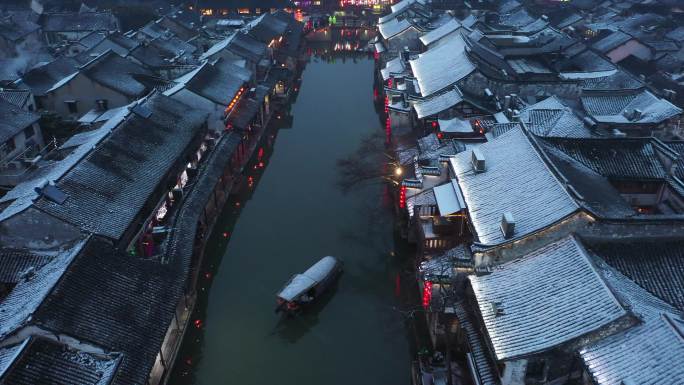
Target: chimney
507 224
478 160
507 102
636 114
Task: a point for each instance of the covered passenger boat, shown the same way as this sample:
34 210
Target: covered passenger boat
306 287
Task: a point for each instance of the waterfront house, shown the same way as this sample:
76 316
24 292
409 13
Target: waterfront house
105 82
575 304
241 46
216 88
20 142
43 77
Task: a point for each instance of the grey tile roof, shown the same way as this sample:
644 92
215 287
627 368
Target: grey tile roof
41 360
552 118
117 73
394 66
516 180
15 263
246 46
650 352
102 281
619 158
217 83
393 27
44 77
21 197
71 22
617 108
621 80
121 303
612 41
485 370
17 309
656 265
13 119
436 34
442 66
596 193
13 28
438 103
549 297
108 188
266 27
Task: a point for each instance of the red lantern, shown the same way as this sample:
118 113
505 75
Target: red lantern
402 197
427 294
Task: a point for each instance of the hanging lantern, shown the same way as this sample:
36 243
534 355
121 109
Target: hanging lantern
427 294
402 197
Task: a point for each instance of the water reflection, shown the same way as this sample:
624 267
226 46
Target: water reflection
292 328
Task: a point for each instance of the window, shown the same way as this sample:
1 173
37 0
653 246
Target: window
535 369
102 104
29 131
9 145
72 106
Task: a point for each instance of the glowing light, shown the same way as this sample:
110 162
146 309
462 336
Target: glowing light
402 197
398 171
427 293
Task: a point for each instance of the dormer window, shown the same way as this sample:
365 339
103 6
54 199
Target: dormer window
102 104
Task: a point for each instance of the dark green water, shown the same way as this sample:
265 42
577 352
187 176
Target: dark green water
296 215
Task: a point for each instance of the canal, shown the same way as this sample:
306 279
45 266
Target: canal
295 213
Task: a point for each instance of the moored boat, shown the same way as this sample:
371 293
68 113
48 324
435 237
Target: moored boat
305 288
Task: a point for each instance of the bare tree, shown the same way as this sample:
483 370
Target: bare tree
367 164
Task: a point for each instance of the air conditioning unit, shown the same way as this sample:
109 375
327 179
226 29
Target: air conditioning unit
507 224
478 160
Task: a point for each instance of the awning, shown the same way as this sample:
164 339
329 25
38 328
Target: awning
449 198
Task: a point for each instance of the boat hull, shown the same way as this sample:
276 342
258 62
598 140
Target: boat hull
312 294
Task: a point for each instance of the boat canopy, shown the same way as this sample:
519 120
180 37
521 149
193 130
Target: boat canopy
300 283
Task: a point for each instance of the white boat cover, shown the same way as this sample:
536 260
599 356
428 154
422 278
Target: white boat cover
300 283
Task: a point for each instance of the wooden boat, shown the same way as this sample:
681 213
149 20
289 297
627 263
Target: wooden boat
304 288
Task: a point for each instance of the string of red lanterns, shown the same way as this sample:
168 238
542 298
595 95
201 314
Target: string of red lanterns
402 197
427 294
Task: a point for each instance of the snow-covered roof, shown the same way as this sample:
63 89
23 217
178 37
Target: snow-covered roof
516 180
619 108
651 352
63 81
442 65
300 283
455 125
393 27
23 194
394 66
551 117
544 299
449 198
17 308
438 33
438 103
218 47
